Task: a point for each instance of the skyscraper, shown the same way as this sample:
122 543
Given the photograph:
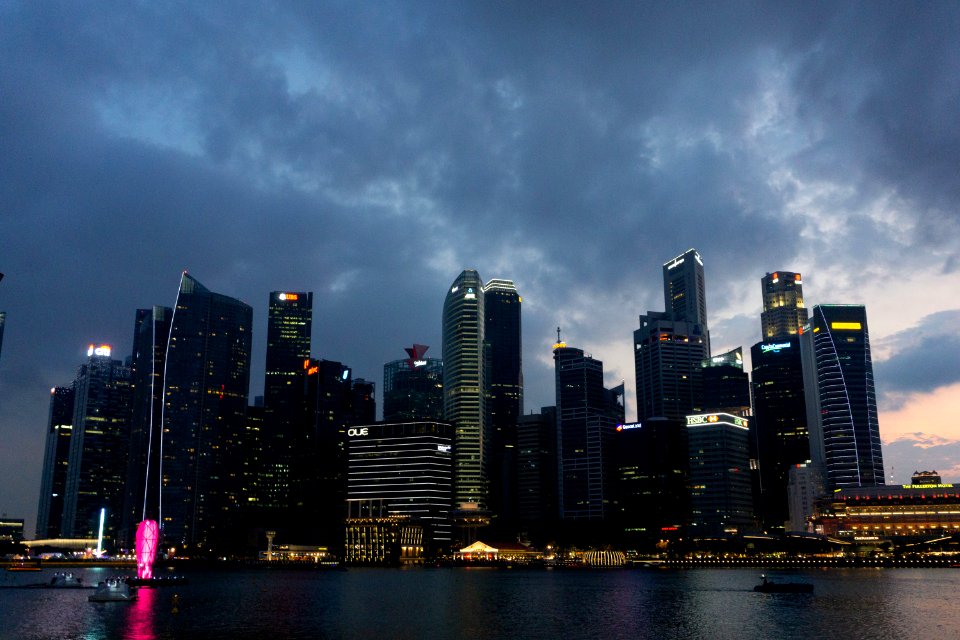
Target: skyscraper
97 467
289 330
586 423
207 380
413 387
504 389
670 346
667 357
783 311
840 397
142 494
685 293
537 508
464 377
56 457
335 402
726 386
720 487
779 425
3 321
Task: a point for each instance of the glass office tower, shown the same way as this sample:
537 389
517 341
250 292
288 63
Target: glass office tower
840 397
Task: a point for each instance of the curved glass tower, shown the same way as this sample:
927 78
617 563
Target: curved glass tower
840 396
463 386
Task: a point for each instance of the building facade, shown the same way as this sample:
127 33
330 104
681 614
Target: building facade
783 310
586 423
780 425
504 391
207 379
685 292
413 387
289 330
403 469
99 445
56 457
537 471
840 397
721 499
464 378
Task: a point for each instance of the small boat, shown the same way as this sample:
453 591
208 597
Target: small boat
769 586
66 581
113 590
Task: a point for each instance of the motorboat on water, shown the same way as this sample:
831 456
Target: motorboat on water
769 586
62 580
113 590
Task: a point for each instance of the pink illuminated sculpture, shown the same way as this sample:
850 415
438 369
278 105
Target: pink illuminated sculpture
148 534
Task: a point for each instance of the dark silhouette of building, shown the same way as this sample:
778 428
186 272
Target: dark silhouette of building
53 484
143 481
840 396
685 293
726 386
652 472
334 403
721 499
207 380
3 321
587 416
779 426
464 378
783 311
289 329
537 482
504 391
413 387
97 466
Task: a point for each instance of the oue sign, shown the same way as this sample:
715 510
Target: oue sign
358 432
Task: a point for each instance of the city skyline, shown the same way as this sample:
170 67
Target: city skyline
572 154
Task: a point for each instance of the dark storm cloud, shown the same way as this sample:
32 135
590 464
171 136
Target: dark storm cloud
924 358
370 152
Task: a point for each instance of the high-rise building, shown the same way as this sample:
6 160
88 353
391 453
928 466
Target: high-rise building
537 471
403 469
289 329
504 389
413 387
99 445
726 386
53 484
667 357
721 501
142 492
335 402
3 321
464 378
652 471
779 425
783 311
685 293
587 417
207 379
840 397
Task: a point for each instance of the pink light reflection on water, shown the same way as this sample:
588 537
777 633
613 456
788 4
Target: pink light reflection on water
140 623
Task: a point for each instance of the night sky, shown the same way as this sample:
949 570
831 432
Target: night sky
371 151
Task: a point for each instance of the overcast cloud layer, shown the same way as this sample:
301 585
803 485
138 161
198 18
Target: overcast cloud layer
369 152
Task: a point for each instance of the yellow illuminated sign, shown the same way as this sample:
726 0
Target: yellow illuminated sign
846 326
